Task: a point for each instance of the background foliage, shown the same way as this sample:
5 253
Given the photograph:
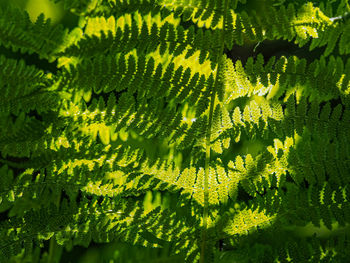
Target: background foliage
147 133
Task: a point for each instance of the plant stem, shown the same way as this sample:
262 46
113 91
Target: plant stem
208 141
55 250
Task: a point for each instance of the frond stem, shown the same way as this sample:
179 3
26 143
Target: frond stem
55 250
208 141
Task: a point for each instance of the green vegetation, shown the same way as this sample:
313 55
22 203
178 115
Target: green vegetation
175 131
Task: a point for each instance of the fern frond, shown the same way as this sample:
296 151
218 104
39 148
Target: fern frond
321 80
23 35
26 88
276 22
336 34
145 122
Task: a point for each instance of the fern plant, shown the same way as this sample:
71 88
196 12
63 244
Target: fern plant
149 132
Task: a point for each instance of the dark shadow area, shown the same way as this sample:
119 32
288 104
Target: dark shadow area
276 48
30 59
3 215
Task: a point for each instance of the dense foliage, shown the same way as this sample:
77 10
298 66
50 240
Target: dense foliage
151 129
